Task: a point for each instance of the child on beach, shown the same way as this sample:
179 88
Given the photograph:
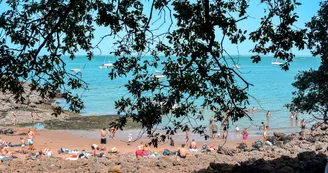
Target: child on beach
237 129
130 139
265 130
22 144
245 135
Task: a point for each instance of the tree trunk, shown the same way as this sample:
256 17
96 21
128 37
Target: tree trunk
325 117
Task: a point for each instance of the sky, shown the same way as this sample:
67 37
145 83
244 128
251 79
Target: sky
305 12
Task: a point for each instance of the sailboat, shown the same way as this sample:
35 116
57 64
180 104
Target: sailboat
158 74
276 62
107 65
77 70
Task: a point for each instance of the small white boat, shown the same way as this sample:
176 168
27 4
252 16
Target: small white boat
102 66
107 65
159 76
276 62
215 69
236 66
76 70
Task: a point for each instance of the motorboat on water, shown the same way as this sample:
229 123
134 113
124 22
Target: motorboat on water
77 70
236 66
215 69
276 62
158 74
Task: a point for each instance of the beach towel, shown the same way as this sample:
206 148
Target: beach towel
166 152
268 143
101 154
5 159
113 150
73 157
193 150
13 145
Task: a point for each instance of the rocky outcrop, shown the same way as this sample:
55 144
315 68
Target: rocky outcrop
22 109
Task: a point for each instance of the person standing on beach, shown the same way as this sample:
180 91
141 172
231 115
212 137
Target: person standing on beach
30 139
253 110
103 139
268 114
297 116
303 125
265 130
291 115
33 116
214 127
112 131
14 117
187 135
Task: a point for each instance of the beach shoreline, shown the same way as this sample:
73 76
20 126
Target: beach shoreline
125 160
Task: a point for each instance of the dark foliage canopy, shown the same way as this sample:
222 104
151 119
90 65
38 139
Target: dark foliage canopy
191 45
312 86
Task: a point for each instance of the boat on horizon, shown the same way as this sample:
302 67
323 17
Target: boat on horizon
107 65
236 66
276 62
77 70
158 74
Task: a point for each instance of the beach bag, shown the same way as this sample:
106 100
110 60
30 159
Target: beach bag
10 131
171 142
113 150
257 144
268 143
166 152
4 159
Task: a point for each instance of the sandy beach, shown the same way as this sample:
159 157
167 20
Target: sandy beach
83 139
298 151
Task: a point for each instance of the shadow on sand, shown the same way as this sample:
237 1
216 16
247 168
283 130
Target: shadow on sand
306 162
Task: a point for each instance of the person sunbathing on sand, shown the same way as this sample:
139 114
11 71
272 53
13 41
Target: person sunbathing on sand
145 150
94 147
139 152
193 145
182 151
5 152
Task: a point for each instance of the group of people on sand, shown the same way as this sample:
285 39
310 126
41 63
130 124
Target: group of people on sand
103 140
143 150
213 128
4 145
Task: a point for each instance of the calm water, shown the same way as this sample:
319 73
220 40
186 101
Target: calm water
272 88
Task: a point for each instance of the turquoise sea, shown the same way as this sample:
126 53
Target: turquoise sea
272 88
